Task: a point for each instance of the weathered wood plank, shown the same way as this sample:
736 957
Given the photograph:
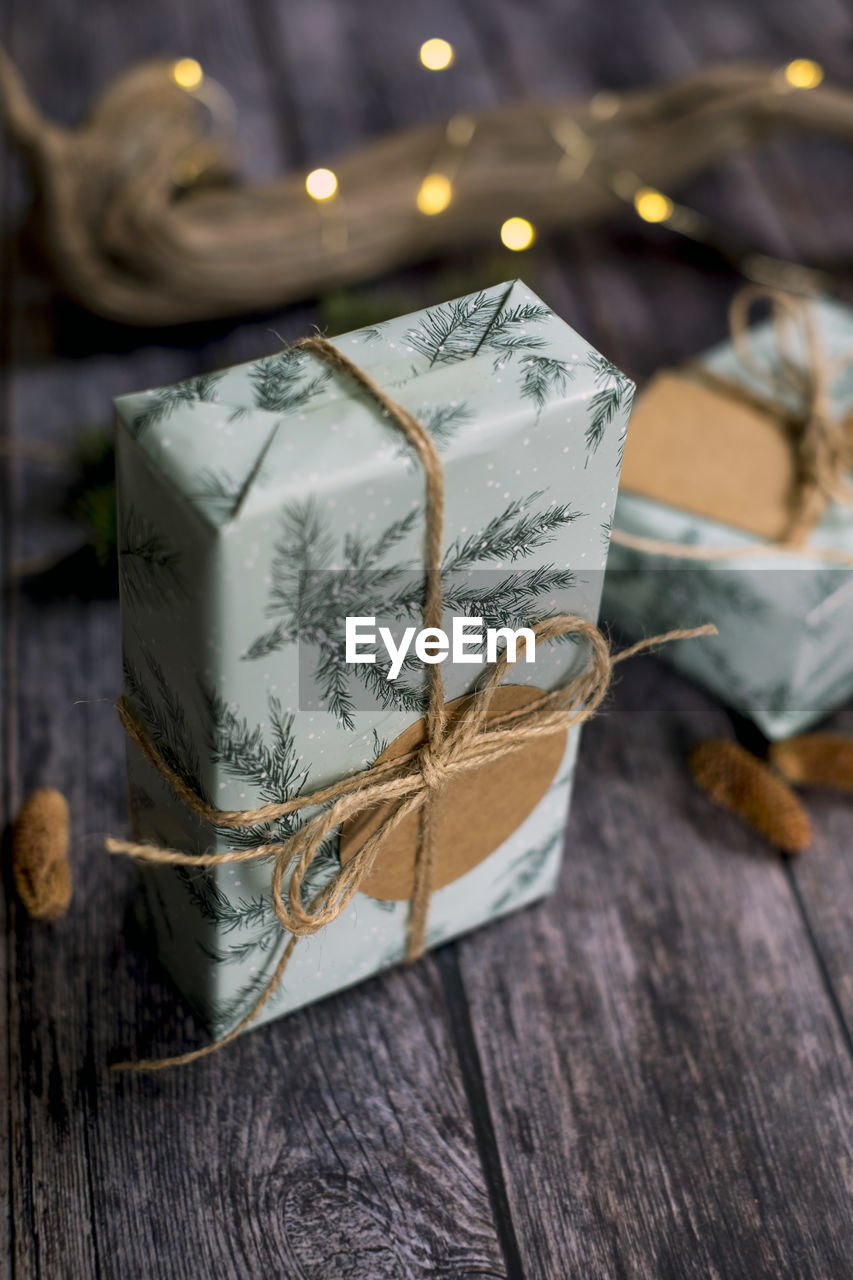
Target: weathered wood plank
670 1089
823 877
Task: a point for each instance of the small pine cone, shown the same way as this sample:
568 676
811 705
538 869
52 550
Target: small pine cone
816 760
740 782
40 863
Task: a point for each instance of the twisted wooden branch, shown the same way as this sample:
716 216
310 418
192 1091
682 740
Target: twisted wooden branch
146 222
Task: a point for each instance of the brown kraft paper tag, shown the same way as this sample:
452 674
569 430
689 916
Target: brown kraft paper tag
477 810
694 447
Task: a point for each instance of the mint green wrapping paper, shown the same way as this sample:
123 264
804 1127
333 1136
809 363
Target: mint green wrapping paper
784 653
229 485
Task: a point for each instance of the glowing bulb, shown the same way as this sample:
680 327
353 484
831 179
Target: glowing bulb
436 54
434 194
518 233
321 184
187 73
802 73
651 205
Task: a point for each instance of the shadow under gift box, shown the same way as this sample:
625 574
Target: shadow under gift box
784 652
228 487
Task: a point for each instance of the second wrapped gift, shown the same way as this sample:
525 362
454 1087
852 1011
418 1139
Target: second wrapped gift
735 509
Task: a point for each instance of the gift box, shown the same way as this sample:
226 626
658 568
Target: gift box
713 464
260 506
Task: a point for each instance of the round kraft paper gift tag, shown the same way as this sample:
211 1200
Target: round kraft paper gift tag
476 811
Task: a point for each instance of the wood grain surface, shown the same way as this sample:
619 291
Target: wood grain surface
649 1075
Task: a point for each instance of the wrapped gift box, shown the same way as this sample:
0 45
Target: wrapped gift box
707 469
245 499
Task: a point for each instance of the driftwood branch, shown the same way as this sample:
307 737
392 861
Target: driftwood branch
146 221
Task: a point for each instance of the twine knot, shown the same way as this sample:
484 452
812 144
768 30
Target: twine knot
433 765
794 386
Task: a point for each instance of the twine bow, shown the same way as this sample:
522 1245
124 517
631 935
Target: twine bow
403 785
793 387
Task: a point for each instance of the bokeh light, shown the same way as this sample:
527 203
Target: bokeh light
187 73
436 54
518 233
321 184
802 73
434 194
651 205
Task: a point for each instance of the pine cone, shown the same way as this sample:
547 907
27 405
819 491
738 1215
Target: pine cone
745 785
40 863
816 760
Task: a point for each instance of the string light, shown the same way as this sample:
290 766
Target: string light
321 184
436 55
652 205
517 233
803 73
187 73
577 161
436 190
434 194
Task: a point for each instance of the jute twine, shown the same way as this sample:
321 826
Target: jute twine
405 784
794 389
146 221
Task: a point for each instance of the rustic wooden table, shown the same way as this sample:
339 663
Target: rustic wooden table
648 1076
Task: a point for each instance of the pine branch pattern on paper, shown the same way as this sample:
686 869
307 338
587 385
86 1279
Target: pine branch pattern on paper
443 421
513 534
163 718
525 872
165 400
310 607
216 907
222 1014
148 565
676 597
508 333
655 596
279 385
543 377
458 330
606 532
613 396
264 757
217 492
454 331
